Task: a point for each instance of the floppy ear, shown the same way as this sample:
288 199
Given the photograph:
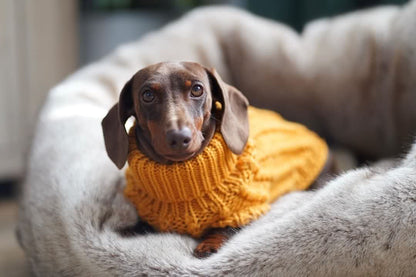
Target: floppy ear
233 116
115 135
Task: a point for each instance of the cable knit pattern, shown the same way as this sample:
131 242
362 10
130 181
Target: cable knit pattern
218 188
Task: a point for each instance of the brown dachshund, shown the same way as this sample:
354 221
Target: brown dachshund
173 107
173 104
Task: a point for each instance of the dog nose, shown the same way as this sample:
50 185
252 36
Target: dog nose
179 139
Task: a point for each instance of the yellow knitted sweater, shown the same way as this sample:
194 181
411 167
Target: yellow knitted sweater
218 188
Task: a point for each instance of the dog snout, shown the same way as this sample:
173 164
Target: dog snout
179 139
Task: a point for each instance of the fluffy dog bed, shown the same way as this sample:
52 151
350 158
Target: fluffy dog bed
350 78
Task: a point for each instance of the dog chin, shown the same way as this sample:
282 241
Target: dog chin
180 157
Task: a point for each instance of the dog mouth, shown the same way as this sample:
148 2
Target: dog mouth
178 154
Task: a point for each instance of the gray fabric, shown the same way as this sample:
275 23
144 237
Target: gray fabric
352 78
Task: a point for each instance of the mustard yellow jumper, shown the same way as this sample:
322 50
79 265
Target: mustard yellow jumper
218 188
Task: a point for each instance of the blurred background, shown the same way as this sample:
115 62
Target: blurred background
43 41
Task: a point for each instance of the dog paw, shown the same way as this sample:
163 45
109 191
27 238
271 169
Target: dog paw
205 249
209 246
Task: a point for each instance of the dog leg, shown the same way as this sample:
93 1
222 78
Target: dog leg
213 240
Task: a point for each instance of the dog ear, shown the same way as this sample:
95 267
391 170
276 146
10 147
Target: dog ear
234 115
115 135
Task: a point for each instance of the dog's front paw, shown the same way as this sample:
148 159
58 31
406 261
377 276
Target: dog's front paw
209 245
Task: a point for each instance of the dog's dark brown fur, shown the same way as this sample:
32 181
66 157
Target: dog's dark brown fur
174 112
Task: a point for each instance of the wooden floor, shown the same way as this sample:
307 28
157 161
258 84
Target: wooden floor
12 258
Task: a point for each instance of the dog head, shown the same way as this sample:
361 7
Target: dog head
177 112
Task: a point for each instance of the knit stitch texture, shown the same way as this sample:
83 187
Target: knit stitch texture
218 188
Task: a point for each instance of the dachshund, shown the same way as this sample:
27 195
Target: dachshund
174 105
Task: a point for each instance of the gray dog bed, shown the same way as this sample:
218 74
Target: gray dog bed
350 78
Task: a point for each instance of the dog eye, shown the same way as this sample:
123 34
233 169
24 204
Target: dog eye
148 96
197 91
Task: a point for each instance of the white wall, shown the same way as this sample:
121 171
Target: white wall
38 48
